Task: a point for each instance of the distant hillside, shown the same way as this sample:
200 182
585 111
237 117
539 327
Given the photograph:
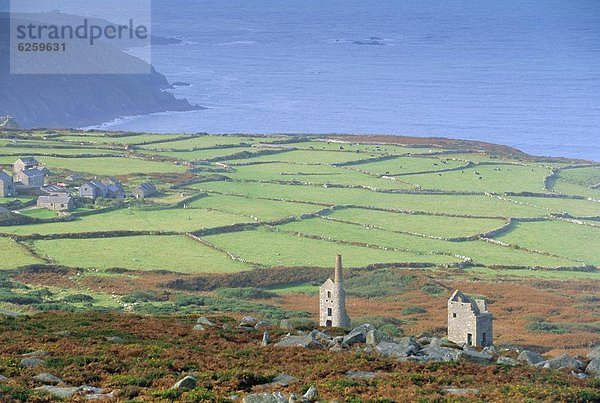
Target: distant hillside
81 100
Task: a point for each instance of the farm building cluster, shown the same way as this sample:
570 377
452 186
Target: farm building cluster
29 178
469 321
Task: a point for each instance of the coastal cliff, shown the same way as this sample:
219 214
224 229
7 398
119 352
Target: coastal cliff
81 100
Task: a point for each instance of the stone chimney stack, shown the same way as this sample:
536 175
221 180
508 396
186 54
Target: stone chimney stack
339 276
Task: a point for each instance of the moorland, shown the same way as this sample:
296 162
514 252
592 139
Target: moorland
251 225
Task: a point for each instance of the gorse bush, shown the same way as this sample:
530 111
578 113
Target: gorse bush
413 310
379 283
75 298
143 296
245 293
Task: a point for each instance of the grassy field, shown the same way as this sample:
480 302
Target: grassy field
281 249
485 178
144 253
209 141
133 219
566 239
310 156
264 210
13 256
401 165
479 251
475 205
318 174
556 205
105 166
447 227
570 188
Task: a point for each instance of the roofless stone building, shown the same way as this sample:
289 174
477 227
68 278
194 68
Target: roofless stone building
469 321
333 299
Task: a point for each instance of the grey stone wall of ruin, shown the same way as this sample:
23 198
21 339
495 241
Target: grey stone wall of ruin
465 317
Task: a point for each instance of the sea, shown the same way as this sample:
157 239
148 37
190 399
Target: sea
520 73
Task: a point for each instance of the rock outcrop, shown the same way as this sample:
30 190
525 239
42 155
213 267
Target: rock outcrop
8 122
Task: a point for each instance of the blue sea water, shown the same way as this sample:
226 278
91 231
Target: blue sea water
521 73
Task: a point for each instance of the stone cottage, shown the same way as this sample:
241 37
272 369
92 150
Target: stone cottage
32 178
146 189
333 300
56 202
7 188
469 321
24 163
28 174
95 189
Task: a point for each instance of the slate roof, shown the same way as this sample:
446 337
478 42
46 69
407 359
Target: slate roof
5 177
63 198
32 172
27 161
146 189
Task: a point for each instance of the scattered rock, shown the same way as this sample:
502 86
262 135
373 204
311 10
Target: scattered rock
32 362
263 324
530 357
374 337
248 321
490 350
62 333
115 339
266 340
202 320
565 361
283 380
477 357
198 328
276 397
358 334
63 393
361 375
47 379
3 378
36 354
507 361
442 354
579 375
311 394
437 342
593 368
403 348
307 341
595 353
460 392
187 383
293 398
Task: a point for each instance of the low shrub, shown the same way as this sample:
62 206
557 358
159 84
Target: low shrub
432 289
187 300
247 293
143 296
379 283
413 310
75 298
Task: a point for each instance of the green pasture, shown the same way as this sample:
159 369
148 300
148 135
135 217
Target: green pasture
207 141
96 139
440 226
105 166
382 149
475 205
6 200
319 174
580 242
280 249
264 210
569 188
485 178
575 207
480 252
200 155
133 219
311 157
25 151
587 177
35 212
174 253
484 273
13 256
401 165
